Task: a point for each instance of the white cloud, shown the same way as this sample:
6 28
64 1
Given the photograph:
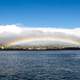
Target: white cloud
20 35
13 29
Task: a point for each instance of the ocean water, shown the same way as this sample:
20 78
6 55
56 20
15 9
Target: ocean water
40 65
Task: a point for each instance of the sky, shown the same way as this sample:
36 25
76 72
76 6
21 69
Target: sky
41 13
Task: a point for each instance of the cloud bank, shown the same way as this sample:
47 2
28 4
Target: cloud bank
13 35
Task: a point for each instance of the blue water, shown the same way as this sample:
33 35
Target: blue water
39 65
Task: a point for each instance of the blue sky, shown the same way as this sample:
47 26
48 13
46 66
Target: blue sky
41 13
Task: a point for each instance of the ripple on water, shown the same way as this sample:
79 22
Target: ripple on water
39 65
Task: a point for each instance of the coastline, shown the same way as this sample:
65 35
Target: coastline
10 49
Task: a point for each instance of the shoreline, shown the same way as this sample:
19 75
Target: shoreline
63 49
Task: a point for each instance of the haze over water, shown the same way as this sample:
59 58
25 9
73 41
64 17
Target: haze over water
19 36
40 65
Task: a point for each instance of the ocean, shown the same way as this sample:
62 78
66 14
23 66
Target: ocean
40 65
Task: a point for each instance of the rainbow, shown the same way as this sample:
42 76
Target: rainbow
20 41
13 35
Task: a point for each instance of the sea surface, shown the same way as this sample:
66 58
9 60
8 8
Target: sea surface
40 65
